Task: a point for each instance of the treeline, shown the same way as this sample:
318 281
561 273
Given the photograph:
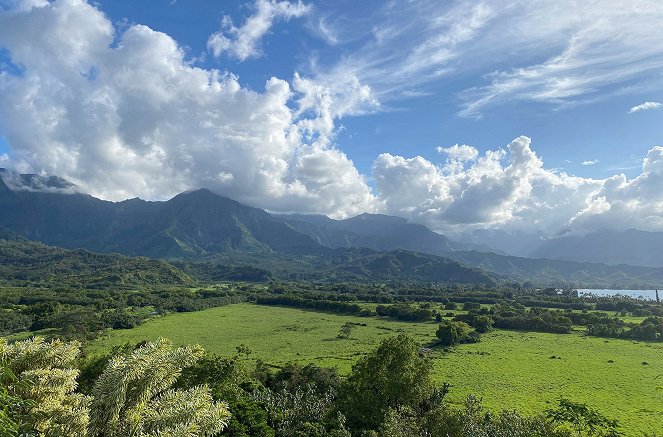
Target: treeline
153 389
650 329
84 313
333 306
516 317
405 312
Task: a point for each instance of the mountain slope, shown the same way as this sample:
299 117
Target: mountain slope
403 265
375 231
558 272
192 224
631 247
25 260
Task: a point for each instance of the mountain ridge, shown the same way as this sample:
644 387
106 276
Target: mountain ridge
630 247
200 224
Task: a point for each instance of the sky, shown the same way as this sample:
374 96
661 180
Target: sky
534 117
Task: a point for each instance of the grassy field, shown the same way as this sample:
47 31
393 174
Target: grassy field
508 369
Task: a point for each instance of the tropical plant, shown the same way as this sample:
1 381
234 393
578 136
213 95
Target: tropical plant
39 387
133 396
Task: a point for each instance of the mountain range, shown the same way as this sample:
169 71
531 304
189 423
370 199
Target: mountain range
200 226
611 247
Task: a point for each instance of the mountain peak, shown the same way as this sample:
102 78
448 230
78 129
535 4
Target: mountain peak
35 182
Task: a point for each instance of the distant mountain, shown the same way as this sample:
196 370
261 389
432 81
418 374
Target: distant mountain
503 242
375 231
630 247
550 272
23 260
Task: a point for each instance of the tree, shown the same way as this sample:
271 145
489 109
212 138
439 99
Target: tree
40 379
133 396
346 330
453 332
393 376
582 418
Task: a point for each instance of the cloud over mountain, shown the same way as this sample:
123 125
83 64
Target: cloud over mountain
124 113
511 188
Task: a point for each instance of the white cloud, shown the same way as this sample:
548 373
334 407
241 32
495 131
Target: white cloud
244 42
590 162
511 189
644 106
459 153
136 119
562 55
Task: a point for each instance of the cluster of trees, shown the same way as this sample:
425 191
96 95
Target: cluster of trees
650 329
451 332
406 312
80 313
515 317
153 389
332 306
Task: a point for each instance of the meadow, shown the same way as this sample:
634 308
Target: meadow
508 369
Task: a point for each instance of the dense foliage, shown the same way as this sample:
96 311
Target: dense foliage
153 389
133 395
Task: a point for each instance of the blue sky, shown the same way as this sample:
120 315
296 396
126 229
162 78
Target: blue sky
324 106
602 130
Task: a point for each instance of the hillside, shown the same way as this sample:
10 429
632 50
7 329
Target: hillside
22 260
558 272
190 225
631 247
377 232
403 265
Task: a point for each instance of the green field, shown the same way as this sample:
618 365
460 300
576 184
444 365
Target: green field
508 369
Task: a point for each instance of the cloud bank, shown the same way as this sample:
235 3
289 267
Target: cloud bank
124 113
511 189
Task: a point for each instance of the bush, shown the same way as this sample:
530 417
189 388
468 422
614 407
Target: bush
450 333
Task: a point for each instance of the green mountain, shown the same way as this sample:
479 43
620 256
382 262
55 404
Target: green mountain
191 225
23 260
350 264
202 226
377 232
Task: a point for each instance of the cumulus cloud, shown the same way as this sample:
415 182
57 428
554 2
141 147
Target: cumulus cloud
644 106
590 162
460 153
510 188
124 114
243 42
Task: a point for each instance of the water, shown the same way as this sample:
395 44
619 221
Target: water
637 294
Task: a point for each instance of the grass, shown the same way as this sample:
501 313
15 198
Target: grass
510 370
274 334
